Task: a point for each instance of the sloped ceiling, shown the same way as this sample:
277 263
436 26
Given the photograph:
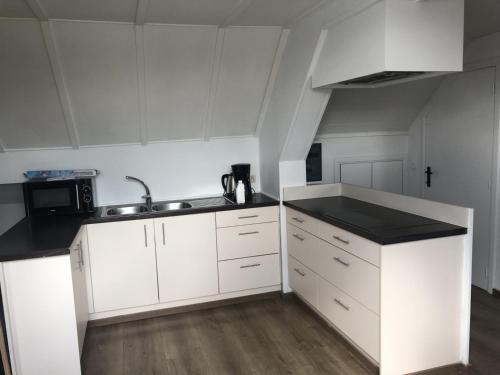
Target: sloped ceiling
482 17
390 108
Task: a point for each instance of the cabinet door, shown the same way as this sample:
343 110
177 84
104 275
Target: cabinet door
123 264
186 256
79 286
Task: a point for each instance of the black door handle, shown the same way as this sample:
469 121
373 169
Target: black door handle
429 173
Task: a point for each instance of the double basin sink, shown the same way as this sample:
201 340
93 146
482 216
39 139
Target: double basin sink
142 208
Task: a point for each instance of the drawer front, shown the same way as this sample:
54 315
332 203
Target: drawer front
359 246
353 319
247 216
248 240
303 281
249 273
351 274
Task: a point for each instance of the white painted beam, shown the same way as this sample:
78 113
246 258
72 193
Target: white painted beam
37 9
272 80
141 80
62 90
141 12
237 11
214 80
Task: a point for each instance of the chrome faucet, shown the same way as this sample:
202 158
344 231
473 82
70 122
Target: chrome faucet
149 201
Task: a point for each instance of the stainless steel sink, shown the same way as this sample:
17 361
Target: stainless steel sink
126 210
171 206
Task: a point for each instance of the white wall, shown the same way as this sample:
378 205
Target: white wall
11 206
173 170
354 147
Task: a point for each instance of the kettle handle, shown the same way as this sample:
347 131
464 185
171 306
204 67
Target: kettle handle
223 181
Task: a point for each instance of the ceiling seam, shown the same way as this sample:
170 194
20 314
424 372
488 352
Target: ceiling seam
62 90
141 82
214 83
237 11
141 12
37 9
272 80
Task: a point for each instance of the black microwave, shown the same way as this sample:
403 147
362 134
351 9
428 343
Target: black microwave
62 197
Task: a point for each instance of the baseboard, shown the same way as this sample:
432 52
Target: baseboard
457 368
181 309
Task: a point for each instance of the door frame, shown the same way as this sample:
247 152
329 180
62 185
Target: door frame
493 272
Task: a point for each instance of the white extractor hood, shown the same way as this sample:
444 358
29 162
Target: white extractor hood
392 41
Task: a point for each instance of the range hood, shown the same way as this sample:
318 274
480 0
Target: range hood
392 41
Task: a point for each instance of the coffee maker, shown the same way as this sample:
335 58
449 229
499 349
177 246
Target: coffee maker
240 172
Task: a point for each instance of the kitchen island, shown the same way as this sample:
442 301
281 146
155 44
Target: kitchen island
390 273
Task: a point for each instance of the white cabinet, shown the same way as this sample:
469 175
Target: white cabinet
78 273
186 256
123 264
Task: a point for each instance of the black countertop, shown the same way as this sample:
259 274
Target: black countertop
53 235
377 223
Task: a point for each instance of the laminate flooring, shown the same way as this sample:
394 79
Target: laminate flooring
271 336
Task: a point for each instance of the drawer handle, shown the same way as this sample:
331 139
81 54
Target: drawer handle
341 304
341 240
298 237
298 220
248 217
299 272
247 233
251 265
337 259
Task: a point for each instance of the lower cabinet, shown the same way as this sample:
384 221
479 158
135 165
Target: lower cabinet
123 264
303 281
186 254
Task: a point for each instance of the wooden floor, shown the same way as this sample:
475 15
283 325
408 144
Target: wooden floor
273 336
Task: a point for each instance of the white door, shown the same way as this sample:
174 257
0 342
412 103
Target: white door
187 257
459 147
123 264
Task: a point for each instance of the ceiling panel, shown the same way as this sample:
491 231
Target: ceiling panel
273 12
195 12
30 114
15 9
247 60
99 65
178 69
99 10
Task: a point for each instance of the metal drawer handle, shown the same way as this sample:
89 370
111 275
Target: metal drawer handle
341 240
340 303
248 217
145 236
298 220
163 231
299 272
247 233
337 259
298 237
251 265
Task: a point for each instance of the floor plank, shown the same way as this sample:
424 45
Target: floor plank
272 336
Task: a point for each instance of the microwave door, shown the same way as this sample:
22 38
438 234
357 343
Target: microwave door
54 198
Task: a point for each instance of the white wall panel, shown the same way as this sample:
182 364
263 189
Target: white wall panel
247 59
99 64
178 68
30 113
100 10
196 12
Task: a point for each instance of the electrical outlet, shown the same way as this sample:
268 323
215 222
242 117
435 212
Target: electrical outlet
252 179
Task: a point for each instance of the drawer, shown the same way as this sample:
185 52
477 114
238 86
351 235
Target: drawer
357 322
249 273
349 273
359 246
303 281
248 240
246 216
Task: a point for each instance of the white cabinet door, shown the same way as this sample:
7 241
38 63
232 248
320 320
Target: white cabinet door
388 176
79 286
123 264
186 256
356 174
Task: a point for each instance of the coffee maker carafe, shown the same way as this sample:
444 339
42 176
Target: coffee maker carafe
241 172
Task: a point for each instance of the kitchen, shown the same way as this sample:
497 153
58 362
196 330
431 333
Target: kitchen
179 94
